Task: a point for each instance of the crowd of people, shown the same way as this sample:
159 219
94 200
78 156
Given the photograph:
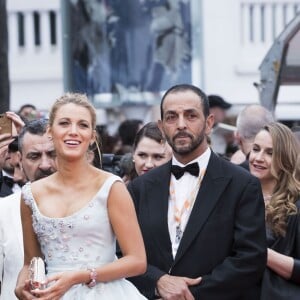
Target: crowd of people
178 219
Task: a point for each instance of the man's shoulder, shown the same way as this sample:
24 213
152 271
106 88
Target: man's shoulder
10 201
229 168
156 174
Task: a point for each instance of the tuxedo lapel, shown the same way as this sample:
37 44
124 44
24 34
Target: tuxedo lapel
158 208
211 188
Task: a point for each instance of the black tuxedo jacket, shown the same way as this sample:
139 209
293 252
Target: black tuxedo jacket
224 240
5 190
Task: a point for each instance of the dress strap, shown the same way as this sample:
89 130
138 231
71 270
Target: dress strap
27 195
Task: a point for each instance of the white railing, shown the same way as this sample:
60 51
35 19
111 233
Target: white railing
260 24
35 52
262 21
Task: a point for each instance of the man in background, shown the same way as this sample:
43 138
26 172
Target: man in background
218 108
9 185
249 122
37 161
8 154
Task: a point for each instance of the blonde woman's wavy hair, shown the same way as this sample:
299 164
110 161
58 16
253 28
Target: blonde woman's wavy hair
285 168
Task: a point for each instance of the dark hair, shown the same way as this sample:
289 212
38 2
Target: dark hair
13 146
187 87
151 131
127 131
27 105
36 127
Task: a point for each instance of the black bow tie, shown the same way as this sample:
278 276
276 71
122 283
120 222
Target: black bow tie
8 181
191 168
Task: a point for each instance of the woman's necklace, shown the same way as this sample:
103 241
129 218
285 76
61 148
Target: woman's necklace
267 198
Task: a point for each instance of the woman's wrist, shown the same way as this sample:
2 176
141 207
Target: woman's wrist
92 278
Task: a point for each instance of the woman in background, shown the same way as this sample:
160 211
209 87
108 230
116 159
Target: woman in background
150 150
274 159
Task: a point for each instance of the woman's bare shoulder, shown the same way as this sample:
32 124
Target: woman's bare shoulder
43 185
101 174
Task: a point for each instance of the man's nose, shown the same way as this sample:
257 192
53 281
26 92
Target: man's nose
181 122
45 163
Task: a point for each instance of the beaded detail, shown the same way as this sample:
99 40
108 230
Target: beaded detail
81 240
64 240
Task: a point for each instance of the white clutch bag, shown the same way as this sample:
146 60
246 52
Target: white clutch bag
37 274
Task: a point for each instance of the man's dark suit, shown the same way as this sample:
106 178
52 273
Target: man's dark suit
224 240
5 189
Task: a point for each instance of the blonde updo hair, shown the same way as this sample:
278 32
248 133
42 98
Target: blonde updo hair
77 99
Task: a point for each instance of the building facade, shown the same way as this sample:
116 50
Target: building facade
229 40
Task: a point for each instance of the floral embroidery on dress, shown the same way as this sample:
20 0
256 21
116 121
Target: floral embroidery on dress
82 240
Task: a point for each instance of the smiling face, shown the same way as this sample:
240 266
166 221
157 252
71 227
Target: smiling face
260 159
185 125
72 130
150 154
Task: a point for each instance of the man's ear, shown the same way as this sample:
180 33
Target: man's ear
210 120
160 125
238 138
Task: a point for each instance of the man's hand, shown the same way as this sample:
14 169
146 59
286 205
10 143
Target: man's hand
17 122
5 140
175 287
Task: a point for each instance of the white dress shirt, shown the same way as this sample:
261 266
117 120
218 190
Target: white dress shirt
11 244
183 188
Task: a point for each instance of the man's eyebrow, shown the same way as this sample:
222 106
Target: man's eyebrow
189 110
33 153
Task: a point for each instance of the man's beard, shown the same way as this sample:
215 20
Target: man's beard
186 149
39 174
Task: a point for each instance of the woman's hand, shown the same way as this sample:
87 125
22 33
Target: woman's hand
281 264
22 292
60 283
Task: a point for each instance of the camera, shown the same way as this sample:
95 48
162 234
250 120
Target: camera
111 163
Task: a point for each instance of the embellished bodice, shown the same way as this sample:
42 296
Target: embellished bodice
81 239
